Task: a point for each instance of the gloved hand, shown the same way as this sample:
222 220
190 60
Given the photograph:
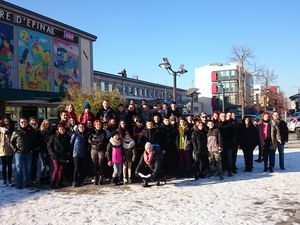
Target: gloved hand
109 163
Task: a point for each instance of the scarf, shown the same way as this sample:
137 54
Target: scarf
34 126
114 141
128 143
148 156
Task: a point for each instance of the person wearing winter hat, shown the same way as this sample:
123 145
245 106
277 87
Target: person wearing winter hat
129 149
149 165
87 114
115 156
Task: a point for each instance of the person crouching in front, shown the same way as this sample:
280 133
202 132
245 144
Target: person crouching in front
149 165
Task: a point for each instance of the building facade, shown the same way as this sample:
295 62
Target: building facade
39 59
219 86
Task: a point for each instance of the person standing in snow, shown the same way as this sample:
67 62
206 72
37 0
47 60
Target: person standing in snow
248 142
98 141
200 154
59 150
6 152
284 135
79 143
115 156
215 148
269 137
129 149
22 142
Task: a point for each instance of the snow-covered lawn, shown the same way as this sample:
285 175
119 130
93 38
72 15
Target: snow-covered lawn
245 198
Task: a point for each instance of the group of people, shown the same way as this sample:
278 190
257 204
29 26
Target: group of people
135 143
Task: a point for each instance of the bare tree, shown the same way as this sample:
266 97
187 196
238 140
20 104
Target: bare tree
266 77
243 56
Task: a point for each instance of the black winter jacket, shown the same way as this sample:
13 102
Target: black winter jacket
199 140
22 140
98 140
226 129
284 131
150 135
105 114
248 137
168 135
59 147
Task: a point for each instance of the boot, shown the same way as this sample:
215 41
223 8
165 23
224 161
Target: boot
95 179
60 184
100 180
129 180
53 184
115 180
145 183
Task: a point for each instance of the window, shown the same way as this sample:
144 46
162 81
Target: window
126 90
142 92
102 86
233 73
110 87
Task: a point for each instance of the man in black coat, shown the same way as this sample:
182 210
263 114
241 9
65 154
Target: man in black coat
284 134
105 113
168 135
227 134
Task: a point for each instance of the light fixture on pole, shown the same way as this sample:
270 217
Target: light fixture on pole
181 70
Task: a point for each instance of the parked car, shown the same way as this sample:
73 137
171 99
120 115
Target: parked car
252 116
293 124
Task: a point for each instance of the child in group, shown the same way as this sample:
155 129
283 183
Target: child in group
214 146
115 156
129 149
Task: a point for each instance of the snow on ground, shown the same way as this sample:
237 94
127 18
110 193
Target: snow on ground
245 198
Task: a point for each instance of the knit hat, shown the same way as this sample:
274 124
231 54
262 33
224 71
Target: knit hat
86 105
148 145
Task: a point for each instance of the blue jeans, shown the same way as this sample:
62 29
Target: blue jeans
23 168
281 155
269 156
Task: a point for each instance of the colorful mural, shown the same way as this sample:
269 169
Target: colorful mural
6 57
66 71
34 56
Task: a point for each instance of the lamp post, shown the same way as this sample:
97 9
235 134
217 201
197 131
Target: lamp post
166 65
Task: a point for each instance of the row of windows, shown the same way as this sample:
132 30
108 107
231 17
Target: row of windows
136 91
226 74
229 87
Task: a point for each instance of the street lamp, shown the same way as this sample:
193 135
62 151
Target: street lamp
166 65
223 98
